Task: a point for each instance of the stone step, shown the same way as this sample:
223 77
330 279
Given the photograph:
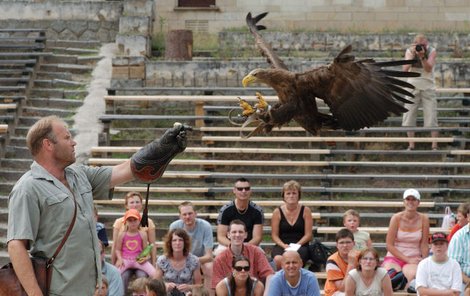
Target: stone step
41 112
3 229
10 175
17 152
53 75
72 68
18 140
47 83
21 131
3 200
56 103
16 163
73 50
58 58
93 44
5 188
58 93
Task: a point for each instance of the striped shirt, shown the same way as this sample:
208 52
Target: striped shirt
459 248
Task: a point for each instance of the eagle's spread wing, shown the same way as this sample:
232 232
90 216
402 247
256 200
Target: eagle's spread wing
263 47
361 93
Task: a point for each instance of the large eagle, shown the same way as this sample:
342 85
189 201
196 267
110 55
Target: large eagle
358 93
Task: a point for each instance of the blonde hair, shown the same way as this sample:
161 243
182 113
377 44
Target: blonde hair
138 284
351 212
291 185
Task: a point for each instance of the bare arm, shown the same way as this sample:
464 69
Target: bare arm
387 286
259 289
221 289
308 227
222 235
207 257
118 249
428 64
152 238
113 247
424 238
350 287
121 174
275 220
17 250
423 291
257 234
266 289
408 56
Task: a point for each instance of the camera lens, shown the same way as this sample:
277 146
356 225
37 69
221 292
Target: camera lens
419 47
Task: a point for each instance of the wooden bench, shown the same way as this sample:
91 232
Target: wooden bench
8 106
3 128
27 62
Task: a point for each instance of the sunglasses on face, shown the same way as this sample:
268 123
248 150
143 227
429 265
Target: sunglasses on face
240 268
243 188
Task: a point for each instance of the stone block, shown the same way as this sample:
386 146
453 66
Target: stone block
121 72
137 72
139 8
134 45
140 25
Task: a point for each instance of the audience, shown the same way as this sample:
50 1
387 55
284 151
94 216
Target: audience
155 287
100 229
291 223
340 263
368 278
259 265
202 241
239 281
292 279
133 200
102 290
243 209
112 274
351 220
130 244
459 250
138 287
438 274
407 238
461 219
178 267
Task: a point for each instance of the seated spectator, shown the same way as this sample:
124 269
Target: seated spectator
112 274
458 250
292 279
259 265
340 263
243 209
351 220
133 200
138 286
239 281
467 290
438 274
131 243
368 278
407 237
202 241
178 267
155 287
103 289
461 219
100 229
291 223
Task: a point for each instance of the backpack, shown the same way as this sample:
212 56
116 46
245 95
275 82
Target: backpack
318 254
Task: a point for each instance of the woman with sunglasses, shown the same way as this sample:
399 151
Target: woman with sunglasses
239 283
291 223
368 278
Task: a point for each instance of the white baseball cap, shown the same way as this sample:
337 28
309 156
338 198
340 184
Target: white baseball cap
411 192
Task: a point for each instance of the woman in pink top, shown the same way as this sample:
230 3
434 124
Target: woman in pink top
407 237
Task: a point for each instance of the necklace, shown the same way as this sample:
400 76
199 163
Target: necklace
241 212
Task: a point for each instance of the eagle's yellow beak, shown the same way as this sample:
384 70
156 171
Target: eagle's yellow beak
248 79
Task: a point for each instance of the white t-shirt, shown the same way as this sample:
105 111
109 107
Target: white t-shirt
374 289
431 274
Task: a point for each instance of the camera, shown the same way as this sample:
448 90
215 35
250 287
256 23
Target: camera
419 47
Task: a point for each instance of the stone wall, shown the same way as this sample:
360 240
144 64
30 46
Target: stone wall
76 20
323 15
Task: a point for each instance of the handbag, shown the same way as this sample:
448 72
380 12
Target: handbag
11 286
318 254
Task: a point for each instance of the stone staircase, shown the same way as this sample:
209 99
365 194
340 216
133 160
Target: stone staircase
59 87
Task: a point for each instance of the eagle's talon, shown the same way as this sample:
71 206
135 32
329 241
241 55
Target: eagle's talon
247 108
262 104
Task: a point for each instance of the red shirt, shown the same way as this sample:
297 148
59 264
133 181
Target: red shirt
259 265
453 231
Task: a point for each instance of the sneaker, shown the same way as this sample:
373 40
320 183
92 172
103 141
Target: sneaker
411 287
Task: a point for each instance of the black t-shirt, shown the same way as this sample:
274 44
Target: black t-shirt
253 215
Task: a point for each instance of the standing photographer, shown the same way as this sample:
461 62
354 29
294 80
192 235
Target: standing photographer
425 92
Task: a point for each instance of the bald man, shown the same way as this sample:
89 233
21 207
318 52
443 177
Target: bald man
292 279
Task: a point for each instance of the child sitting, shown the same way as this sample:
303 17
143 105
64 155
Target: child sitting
156 287
130 244
351 220
138 286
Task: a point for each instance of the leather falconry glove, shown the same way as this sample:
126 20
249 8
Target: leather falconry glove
149 163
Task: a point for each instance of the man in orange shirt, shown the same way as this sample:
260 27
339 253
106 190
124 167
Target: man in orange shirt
340 263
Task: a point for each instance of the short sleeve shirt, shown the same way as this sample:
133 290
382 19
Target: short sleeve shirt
336 269
201 236
439 275
41 209
252 216
182 276
459 248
